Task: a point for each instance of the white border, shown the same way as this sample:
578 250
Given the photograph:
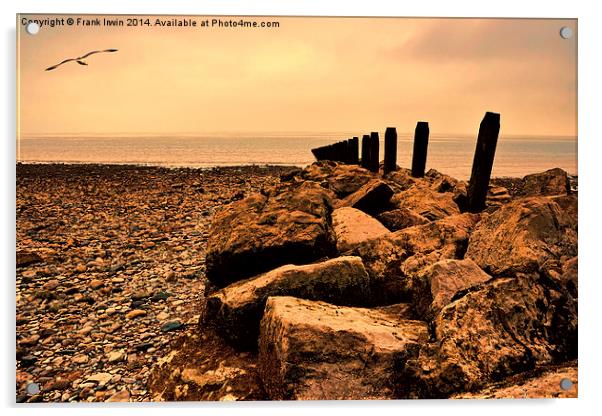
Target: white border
590 135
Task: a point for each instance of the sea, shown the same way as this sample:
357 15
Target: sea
452 154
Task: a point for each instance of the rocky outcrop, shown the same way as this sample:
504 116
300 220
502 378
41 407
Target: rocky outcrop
390 259
551 182
425 202
291 224
317 351
371 198
352 227
236 310
27 258
504 327
521 237
435 286
400 218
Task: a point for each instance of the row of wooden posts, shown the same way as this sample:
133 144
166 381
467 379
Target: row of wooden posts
347 151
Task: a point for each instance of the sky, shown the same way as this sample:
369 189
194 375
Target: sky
307 75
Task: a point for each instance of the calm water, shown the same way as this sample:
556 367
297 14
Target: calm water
515 156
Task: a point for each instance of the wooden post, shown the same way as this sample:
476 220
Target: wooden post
374 151
390 150
483 162
355 156
366 151
421 143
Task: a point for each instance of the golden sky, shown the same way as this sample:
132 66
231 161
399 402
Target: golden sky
308 75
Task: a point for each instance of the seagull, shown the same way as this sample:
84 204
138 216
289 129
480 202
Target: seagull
80 59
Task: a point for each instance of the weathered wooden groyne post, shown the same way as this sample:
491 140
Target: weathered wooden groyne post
421 143
374 151
483 162
390 150
354 145
366 151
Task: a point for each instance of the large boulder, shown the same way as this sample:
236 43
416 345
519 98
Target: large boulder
435 286
390 259
504 327
291 224
352 227
522 236
236 310
340 178
317 351
371 198
400 218
551 182
426 202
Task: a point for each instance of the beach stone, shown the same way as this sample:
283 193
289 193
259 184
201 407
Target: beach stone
236 310
116 356
551 182
289 225
96 284
352 226
542 384
172 326
317 351
402 179
371 198
400 218
391 259
340 178
135 313
120 396
521 236
51 284
101 379
507 326
27 258
435 286
426 202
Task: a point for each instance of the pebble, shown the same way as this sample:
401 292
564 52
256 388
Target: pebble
74 309
172 326
135 313
116 356
121 396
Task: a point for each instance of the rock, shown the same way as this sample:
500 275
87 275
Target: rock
400 218
161 316
425 202
80 359
352 226
116 356
551 182
28 360
81 268
172 326
436 286
371 198
390 259
96 284
339 178
538 384
504 327
27 258
259 233
236 310
317 351
402 179
101 379
521 237
120 396
135 313
568 278
51 285
568 204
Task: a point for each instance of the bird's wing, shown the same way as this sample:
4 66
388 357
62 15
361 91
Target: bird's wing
59 64
93 52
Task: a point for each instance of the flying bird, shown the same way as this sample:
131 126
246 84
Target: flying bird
80 59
